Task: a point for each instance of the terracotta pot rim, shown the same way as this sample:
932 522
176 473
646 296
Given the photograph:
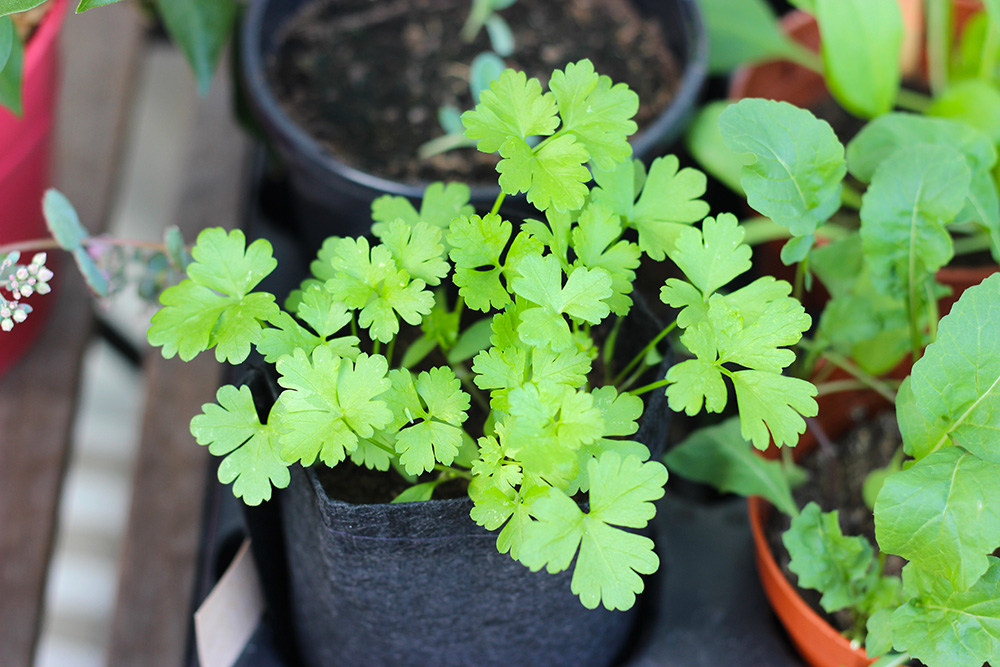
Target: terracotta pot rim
758 508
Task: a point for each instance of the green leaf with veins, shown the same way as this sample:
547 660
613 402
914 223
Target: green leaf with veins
668 200
555 235
597 244
720 456
953 393
772 407
369 279
321 269
596 112
913 194
232 429
285 337
942 514
417 249
713 257
441 203
796 178
214 306
609 560
435 431
514 106
330 402
553 174
477 244
943 626
843 568
322 312
546 427
694 382
494 468
539 280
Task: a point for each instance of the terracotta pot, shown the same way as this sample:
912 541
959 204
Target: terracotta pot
25 150
814 638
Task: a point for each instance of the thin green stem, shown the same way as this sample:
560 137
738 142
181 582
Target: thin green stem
642 354
389 350
845 364
499 201
376 347
649 387
835 386
989 53
911 100
807 58
801 269
938 43
965 245
462 373
453 472
609 348
850 197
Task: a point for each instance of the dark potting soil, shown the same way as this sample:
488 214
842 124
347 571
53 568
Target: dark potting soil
837 470
367 77
359 485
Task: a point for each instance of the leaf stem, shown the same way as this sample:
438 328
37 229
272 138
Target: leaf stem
453 472
389 350
835 386
462 373
499 201
649 387
609 348
911 100
642 353
850 196
938 43
846 365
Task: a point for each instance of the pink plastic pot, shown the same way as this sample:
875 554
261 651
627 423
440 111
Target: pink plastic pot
25 151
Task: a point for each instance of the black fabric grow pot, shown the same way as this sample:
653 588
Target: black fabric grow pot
330 198
420 583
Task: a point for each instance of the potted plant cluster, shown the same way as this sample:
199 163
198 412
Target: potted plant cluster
344 141
934 64
930 501
535 433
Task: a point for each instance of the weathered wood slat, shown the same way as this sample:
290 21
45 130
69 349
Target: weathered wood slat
152 616
38 396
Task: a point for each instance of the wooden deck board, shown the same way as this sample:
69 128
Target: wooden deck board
152 618
38 396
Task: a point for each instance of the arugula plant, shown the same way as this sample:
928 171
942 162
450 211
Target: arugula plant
200 30
934 505
531 307
862 46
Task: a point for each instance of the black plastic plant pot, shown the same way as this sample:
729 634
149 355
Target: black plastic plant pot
331 198
420 583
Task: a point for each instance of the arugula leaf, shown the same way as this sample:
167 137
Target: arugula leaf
860 41
742 33
953 393
842 568
609 560
718 455
232 429
214 306
330 402
797 177
914 193
942 514
596 112
942 625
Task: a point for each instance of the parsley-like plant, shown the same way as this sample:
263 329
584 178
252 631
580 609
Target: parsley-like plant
359 347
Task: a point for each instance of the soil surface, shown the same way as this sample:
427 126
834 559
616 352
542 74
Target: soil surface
367 77
837 469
